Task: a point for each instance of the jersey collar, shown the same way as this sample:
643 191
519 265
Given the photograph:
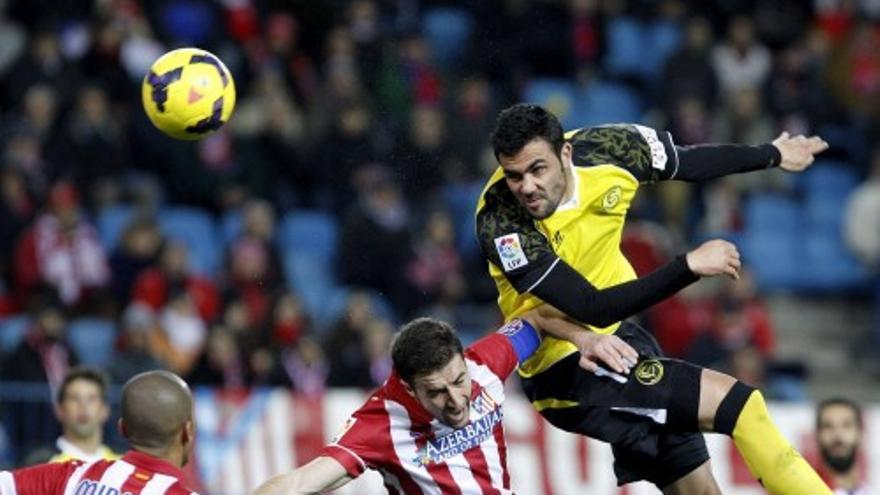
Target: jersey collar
573 200
153 464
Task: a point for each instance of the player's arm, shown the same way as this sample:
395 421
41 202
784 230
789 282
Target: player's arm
321 474
652 155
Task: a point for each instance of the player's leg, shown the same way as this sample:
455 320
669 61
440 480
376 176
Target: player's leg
733 408
700 481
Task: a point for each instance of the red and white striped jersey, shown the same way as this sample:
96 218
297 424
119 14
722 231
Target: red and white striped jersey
135 474
414 452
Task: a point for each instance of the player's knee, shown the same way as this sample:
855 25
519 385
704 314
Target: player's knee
732 405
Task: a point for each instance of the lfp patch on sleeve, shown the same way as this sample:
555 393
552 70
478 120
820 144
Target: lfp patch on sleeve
510 252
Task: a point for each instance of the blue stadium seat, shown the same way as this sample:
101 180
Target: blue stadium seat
776 258
461 200
448 31
604 102
231 225
831 265
196 230
313 232
625 47
12 330
771 213
110 222
829 178
93 339
664 38
556 95
311 277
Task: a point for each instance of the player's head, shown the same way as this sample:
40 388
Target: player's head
428 358
82 407
530 146
839 433
157 415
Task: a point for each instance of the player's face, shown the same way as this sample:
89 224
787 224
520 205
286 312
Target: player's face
537 176
838 436
446 393
83 412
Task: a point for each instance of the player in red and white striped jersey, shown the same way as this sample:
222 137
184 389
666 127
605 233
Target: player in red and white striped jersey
156 419
435 425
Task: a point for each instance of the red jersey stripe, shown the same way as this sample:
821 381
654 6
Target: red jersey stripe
477 461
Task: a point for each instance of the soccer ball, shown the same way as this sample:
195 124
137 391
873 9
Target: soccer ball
188 93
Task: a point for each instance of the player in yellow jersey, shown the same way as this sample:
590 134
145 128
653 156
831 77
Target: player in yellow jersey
549 221
83 410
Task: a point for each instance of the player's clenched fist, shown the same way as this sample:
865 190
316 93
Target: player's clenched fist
715 257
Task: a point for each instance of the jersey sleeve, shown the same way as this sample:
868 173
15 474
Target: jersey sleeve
648 154
44 479
357 446
510 240
510 346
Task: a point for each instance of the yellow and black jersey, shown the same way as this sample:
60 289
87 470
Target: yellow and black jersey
609 163
580 241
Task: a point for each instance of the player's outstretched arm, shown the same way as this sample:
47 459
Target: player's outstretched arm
322 474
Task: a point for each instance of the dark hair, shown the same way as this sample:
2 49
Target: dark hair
839 401
520 124
423 345
87 374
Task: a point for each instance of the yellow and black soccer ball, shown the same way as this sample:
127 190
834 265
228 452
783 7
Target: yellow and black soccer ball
188 93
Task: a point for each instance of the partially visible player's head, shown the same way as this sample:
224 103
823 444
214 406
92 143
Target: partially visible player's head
428 356
530 146
157 415
839 433
82 407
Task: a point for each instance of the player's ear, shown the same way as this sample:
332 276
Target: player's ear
565 154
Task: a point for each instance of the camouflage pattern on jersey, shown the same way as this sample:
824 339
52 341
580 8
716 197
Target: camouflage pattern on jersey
616 144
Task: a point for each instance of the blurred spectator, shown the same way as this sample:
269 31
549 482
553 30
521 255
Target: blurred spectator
42 64
182 333
345 150
138 250
853 71
586 35
13 41
44 355
862 233
289 320
839 436
17 208
221 364
137 340
154 286
305 367
742 62
471 119
94 147
408 79
61 249
83 410
419 158
435 262
374 242
254 271
282 34
345 346
746 120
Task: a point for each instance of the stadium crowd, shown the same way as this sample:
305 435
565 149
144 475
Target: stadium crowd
339 200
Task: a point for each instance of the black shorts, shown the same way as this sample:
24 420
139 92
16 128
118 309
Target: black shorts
650 421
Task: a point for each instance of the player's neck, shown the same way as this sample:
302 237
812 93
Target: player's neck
848 480
568 170
173 456
89 444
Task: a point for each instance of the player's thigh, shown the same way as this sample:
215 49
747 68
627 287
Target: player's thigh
700 481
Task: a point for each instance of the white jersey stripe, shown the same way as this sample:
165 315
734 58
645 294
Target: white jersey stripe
405 447
492 453
158 484
117 474
7 483
75 478
487 379
463 475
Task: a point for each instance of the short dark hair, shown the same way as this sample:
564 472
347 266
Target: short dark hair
519 124
87 374
839 401
423 345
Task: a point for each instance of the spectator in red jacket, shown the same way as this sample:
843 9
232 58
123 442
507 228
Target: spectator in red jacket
61 250
154 285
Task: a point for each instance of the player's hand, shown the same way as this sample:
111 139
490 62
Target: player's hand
609 350
715 257
798 152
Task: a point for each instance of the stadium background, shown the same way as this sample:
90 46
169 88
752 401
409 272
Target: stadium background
282 251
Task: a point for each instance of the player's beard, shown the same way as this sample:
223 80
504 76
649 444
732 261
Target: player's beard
837 462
